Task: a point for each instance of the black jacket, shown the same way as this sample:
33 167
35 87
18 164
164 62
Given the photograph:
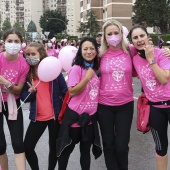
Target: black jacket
84 119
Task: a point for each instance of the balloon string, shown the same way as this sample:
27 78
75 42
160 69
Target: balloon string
28 96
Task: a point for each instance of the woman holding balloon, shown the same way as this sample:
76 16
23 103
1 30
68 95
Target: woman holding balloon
44 92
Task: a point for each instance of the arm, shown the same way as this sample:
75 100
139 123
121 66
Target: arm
16 89
162 75
82 84
26 91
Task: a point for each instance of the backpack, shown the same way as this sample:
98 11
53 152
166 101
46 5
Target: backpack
143 110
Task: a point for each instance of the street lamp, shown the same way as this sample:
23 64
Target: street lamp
61 21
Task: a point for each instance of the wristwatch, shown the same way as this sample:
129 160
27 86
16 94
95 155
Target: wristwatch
9 86
153 62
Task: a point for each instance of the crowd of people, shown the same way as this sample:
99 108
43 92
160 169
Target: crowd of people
100 93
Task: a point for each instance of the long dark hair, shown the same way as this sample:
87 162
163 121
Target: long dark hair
78 60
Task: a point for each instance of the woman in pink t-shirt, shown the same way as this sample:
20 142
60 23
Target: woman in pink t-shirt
14 69
45 103
115 109
49 48
79 123
153 69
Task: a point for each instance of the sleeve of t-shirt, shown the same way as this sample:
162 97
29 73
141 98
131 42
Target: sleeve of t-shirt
163 62
25 69
74 76
133 50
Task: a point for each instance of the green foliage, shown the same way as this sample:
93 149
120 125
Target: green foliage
31 27
165 37
91 27
19 28
1 34
60 36
53 21
73 38
153 13
6 25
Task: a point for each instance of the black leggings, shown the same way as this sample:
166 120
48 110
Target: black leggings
115 124
159 118
75 134
33 134
16 130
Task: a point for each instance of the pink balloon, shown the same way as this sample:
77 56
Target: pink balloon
66 56
125 31
49 69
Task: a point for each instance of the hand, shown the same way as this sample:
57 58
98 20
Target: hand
149 52
89 73
166 52
32 87
3 81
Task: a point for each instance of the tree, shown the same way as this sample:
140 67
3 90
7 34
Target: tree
153 13
19 28
31 27
53 21
91 27
6 25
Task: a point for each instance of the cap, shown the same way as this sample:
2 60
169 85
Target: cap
99 34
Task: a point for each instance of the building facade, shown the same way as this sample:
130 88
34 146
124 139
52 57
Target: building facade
73 16
120 10
25 11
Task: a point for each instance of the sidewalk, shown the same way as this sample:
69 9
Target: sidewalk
141 153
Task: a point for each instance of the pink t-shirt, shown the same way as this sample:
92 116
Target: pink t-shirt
14 72
116 78
87 100
56 52
51 52
154 90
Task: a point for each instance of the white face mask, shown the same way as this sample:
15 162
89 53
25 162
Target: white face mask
49 44
12 48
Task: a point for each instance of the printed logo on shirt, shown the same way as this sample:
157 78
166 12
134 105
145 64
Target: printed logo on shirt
118 70
9 74
147 75
94 89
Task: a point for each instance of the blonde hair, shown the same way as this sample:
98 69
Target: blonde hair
104 45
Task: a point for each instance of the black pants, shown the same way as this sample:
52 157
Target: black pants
75 134
16 130
115 124
33 134
159 118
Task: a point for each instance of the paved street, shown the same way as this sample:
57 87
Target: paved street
141 156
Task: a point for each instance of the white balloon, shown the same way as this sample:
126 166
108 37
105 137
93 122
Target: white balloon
125 31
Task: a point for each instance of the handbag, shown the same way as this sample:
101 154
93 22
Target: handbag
63 107
143 110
